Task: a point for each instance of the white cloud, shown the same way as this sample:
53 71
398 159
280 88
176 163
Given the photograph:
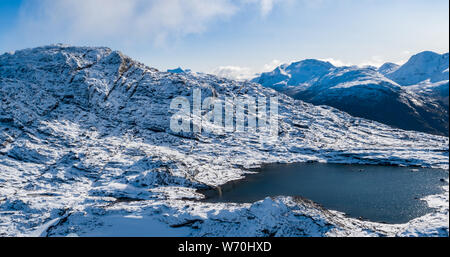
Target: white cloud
376 61
244 73
151 21
234 72
266 6
336 62
406 52
130 22
272 65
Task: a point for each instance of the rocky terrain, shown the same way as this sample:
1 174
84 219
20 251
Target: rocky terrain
86 150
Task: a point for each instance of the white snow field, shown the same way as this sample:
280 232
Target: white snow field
86 150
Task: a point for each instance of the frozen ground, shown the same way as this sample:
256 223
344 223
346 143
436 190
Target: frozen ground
86 150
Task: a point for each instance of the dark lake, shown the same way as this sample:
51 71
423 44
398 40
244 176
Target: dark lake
387 194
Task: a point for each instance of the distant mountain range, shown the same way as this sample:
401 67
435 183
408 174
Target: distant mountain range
413 96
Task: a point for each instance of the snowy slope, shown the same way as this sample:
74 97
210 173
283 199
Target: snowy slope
297 73
371 92
86 149
421 67
363 92
388 68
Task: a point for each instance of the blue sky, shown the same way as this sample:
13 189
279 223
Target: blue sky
233 37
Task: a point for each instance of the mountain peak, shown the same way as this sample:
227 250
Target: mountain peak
388 67
310 62
178 70
295 73
420 67
425 54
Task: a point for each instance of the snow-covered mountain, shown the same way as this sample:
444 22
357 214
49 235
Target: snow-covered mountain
438 91
86 149
178 70
422 67
387 68
379 94
297 73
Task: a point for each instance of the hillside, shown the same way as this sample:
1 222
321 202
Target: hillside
86 149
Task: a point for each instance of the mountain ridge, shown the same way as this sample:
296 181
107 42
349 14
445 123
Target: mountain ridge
382 94
420 67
